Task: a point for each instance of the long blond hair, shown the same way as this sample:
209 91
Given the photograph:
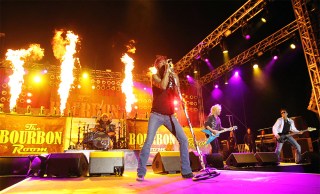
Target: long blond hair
214 108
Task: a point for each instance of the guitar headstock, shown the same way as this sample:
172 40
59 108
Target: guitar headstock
232 128
311 129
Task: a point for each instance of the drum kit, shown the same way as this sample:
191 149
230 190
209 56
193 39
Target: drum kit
97 139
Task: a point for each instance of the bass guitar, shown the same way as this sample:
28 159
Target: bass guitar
212 136
284 137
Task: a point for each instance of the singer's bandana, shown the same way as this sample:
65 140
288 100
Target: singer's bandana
159 58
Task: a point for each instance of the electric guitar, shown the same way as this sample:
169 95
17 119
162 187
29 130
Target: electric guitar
212 136
284 137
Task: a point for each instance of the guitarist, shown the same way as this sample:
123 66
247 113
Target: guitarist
281 128
213 124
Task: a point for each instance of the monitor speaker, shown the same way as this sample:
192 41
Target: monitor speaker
215 160
241 159
66 165
106 163
166 162
14 165
266 158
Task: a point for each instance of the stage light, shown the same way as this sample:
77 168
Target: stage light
292 46
227 33
216 86
255 66
85 75
29 94
175 102
236 73
37 79
29 101
275 54
79 86
44 71
223 46
246 31
93 87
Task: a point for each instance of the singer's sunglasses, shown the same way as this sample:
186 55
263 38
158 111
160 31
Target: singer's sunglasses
283 112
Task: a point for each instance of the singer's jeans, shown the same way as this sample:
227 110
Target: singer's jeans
172 124
295 145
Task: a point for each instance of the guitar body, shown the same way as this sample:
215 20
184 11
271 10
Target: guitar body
284 137
212 137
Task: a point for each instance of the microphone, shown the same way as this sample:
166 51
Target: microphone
169 62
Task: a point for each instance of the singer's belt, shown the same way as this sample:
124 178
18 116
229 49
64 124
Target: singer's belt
160 114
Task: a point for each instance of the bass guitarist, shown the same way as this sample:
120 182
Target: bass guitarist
281 129
213 124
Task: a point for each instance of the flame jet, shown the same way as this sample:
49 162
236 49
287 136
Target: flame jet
17 57
64 49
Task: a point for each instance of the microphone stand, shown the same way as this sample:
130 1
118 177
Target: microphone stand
205 173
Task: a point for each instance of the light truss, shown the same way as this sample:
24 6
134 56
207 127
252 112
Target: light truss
268 43
311 51
236 20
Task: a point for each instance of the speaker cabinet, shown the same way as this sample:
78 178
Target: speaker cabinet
241 159
215 160
266 158
195 162
66 165
166 162
106 163
14 166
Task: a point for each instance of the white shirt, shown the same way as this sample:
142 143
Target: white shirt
278 126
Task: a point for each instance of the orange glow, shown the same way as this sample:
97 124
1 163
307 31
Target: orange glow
37 79
153 70
64 49
28 101
16 57
29 94
127 84
85 75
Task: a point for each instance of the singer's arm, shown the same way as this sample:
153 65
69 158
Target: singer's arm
161 83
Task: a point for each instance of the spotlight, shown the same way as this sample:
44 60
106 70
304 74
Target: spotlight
223 46
216 86
246 31
292 46
275 54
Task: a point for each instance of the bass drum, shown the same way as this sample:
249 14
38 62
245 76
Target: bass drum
102 141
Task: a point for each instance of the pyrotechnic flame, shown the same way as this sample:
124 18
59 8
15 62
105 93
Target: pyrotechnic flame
64 51
127 84
131 47
35 52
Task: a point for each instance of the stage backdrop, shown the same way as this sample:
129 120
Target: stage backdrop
33 135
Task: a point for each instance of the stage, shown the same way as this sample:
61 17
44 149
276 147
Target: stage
235 180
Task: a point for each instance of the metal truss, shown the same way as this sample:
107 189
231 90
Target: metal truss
310 49
236 20
268 43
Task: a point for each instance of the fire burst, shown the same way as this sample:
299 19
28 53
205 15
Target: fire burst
64 51
16 79
127 84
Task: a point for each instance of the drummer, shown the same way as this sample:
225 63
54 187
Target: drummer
104 125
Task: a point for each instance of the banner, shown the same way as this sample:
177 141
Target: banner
30 135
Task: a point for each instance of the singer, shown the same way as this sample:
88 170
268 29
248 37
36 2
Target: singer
164 88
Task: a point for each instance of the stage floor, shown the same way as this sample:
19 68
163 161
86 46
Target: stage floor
229 181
